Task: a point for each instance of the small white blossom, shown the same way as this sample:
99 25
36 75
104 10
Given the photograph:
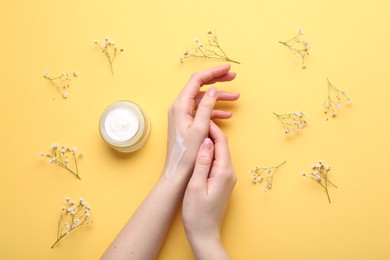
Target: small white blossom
64 74
327 168
301 31
196 40
76 221
268 171
65 94
75 73
67 198
46 74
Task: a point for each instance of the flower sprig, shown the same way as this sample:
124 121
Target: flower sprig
298 46
210 50
64 157
110 50
320 174
334 100
264 175
61 82
72 216
293 120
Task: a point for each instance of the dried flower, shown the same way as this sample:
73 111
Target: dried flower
334 100
110 50
293 120
299 47
210 50
60 155
62 82
266 174
320 175
77 215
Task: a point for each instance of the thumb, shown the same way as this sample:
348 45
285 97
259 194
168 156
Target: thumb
202 167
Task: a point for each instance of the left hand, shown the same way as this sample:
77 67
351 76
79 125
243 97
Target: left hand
189 118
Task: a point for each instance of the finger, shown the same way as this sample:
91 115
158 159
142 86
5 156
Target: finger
202 167
221 96
203 113
222 153
208 76
220 114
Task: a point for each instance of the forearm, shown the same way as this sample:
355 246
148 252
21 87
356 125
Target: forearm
143 235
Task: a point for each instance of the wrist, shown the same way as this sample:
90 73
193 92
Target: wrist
208 248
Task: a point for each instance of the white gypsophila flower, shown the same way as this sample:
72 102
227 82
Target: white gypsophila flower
304 66
71 202
66 161
315 173
209 32
103 45
250 172
301 31
185 53
318 178
64 74
297 55
40 154
106 38
87 214
76 221
200 45
75 73
303 173
268 171
95 41
334 113
196 40
67 198
269 186
338 106
74 149
265 189
111 42
259 179
46 74
349 101
62 151
320 161
327 168
70 209
65 94
87 222
254 180
66 225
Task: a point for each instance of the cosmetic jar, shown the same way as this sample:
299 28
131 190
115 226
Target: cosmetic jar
124 126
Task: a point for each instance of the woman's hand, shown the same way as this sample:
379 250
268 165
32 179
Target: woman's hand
207 195
189 119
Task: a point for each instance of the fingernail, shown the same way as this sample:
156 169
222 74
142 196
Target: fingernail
207 144
212 92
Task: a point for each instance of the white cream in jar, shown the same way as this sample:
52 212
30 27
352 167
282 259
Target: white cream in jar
124 126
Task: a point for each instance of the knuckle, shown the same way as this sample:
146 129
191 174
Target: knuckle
204 159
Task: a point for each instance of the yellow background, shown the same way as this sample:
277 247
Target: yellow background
350 45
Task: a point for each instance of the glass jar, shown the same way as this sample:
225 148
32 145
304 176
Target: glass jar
124 126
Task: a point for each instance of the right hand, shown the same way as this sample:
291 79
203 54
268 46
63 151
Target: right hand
207 196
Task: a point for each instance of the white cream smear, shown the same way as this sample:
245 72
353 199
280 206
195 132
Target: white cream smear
121 124
177 153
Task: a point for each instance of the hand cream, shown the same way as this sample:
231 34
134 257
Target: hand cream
124 126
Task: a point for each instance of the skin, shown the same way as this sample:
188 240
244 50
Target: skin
189 116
